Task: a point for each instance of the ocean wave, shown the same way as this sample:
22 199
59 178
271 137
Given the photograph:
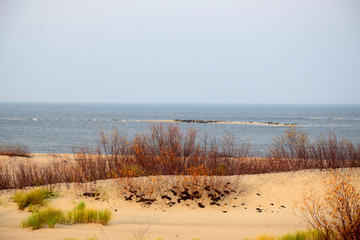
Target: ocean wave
119 120
13 119
317 118
334 118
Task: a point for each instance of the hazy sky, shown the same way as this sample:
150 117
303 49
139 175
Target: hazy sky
186 51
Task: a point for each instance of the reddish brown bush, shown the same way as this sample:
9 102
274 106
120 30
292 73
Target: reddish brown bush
167 150
15 151
337 214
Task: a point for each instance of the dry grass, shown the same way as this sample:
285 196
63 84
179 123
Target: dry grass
15 151
295 150
166 150
337 214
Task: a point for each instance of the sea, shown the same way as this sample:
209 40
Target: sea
62 127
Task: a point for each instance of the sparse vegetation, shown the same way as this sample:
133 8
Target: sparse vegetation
15 151
80 214
35 197
215 190
169 151
201 170
49 216
337 214
88 238
295 150
297 235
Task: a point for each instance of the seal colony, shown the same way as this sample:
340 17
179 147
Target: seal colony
224 122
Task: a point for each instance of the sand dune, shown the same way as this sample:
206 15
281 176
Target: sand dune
274 194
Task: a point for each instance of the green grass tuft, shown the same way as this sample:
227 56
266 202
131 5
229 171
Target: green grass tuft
104 216
80 214
89 238
49 216
33 198
298 235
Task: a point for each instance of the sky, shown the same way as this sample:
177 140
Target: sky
188 51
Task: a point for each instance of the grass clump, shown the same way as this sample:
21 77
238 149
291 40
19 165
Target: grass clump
49 216
298 235
35 197
89 238
80 214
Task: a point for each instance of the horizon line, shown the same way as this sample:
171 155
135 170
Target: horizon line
173 103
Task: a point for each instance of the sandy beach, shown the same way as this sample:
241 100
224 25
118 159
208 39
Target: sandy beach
265 204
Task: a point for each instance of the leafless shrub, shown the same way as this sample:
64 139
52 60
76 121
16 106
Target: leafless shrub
17 150
292 145
170 151
142 226
335 153
295 150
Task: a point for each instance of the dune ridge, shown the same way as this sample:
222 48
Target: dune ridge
265 204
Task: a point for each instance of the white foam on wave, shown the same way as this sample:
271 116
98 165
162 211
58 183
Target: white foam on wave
13 119
317 118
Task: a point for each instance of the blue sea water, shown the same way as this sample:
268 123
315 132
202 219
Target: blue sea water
58 127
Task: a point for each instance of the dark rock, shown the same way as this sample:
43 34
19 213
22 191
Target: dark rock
201 205
170 204
217 191
90 194
129 198
166 197
214 203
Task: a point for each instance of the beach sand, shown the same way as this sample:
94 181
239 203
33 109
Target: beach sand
275 194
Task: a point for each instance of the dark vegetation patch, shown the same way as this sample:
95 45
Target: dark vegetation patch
17 150
216 190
